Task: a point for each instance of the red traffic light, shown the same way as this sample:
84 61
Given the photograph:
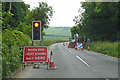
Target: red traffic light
36 30
36 24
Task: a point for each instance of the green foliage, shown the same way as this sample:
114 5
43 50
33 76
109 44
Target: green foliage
55 38
21 18
51 40
19 9
15 38
108 48
17 31
42 13
0 41
13 42
99 20
26 29
5 20
75 30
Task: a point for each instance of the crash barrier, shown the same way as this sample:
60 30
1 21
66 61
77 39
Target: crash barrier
78 46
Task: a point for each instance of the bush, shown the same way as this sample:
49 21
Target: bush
12 45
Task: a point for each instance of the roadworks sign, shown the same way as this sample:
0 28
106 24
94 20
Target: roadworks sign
35 54
79 45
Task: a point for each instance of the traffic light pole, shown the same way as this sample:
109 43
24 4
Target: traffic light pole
32 43
40 43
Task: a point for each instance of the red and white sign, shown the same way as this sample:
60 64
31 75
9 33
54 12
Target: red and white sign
35 54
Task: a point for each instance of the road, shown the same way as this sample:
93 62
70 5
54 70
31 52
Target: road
73 63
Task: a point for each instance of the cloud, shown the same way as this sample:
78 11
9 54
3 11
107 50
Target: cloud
65 10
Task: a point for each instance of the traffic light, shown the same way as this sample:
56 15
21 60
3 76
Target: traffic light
36 30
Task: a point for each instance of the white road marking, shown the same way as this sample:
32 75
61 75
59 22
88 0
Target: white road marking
80 59
83 61
107 79
70 51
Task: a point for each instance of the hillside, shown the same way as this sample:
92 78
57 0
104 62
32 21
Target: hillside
58 31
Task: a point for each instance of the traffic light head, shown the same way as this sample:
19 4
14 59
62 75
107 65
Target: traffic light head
36 30
36 24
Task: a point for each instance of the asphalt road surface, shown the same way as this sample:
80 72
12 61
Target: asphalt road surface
73 63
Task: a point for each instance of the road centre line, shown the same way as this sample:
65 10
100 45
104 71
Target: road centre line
70 51
80 59
83 61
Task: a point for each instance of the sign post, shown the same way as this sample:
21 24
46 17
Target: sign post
35 53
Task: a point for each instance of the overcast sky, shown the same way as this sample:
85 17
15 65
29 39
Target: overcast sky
65 11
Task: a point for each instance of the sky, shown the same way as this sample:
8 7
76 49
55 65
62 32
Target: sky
65 11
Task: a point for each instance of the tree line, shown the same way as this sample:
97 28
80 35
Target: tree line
97 21
17 31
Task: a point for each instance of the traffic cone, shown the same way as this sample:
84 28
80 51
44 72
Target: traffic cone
88 48
82 48
75 47
68 46
51 64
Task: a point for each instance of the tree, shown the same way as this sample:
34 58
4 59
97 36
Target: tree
17 30
99 20
75 30
19 11
42 13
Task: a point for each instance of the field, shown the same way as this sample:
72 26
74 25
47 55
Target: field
47 41
61 34
55 38
55 35
58 31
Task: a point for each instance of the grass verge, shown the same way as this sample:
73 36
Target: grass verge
51 40
108 48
